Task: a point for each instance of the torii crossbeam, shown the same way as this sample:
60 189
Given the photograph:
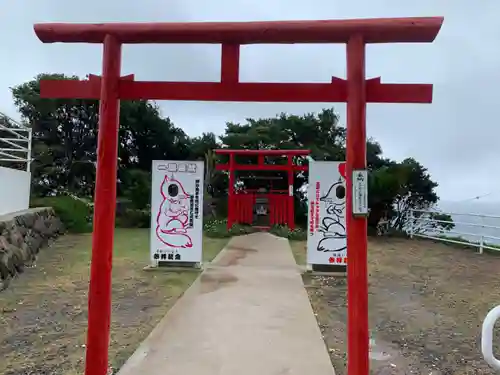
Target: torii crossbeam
356 91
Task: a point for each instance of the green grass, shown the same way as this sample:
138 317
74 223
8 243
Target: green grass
54 295
299 250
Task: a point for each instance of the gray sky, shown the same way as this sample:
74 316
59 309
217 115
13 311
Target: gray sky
456 137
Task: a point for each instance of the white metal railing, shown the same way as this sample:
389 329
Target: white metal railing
469 228
15 142
487 338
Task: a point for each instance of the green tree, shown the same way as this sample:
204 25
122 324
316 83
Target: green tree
394 187
321 133
65 142
64 138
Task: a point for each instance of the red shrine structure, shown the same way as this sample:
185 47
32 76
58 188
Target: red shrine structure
276 204
356 90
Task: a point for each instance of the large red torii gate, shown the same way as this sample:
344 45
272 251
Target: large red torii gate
356 91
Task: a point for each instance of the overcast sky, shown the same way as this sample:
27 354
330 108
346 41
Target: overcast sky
456 137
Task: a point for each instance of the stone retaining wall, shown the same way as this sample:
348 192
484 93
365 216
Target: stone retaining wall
22 235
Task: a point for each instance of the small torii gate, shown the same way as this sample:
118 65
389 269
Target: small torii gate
286 205
356 91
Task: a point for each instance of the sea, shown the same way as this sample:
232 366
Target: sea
486 223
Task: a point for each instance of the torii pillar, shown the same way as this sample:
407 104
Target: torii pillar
356 91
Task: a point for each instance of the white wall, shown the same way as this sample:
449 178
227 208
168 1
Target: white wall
14 190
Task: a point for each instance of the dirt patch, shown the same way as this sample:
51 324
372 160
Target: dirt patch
427 302
43 314
212 281
233 254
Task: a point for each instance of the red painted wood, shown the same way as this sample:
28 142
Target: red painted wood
378 30
227 151
243 205
284 211
270 191
240 92
272 211
357 282
230 64
257 167
99 309
278 209
231 201
290 205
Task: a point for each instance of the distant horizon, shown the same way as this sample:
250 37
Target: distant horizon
469 201
471 207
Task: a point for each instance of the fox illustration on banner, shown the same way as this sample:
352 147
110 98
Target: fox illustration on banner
172 222
333 223
327 240
176 211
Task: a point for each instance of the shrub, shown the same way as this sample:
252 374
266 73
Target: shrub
132 218
298 234
136 187
217 228
75 214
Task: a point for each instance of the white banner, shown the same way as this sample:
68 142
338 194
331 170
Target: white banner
327 237
176 211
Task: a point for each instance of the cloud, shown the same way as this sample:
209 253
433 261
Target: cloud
455 137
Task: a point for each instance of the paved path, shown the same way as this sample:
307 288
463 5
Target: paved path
247 314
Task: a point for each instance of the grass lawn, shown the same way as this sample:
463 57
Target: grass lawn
43 314
299 250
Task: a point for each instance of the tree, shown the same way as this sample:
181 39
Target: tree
416 191
321 133
394 187
64 138
199 146
421 222
65 142
398 191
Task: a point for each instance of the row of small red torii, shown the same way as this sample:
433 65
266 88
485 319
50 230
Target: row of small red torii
356 91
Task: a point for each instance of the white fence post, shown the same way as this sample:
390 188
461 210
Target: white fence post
419 220
15 142
15 168
487 338
411 223
30 150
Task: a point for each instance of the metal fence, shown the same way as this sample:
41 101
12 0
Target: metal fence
15 143
481 231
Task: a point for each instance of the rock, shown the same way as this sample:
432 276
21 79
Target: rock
3 243
22 235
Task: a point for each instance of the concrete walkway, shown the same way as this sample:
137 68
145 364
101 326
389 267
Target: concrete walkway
247 314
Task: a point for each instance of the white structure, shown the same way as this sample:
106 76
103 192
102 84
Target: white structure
176 212
481 231
326 193
15 150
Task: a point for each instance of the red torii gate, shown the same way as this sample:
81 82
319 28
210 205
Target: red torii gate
356 91
232 166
